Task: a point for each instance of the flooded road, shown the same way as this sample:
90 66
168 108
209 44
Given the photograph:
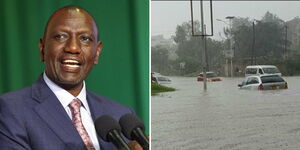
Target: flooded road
225 117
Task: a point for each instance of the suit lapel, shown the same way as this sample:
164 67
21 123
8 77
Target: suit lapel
97 109
53 113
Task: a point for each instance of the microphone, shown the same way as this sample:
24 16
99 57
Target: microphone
109 130
134 129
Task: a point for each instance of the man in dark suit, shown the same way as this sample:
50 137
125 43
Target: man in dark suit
57 112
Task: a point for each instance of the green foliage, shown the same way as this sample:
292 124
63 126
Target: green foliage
159 61
243 41
190 49
157 88
263 39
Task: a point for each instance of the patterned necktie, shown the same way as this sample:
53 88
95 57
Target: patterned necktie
76 119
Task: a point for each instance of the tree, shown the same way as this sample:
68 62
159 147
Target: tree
269 40
159 61
190 49
269 17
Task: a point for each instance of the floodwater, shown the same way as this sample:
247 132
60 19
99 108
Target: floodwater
225 117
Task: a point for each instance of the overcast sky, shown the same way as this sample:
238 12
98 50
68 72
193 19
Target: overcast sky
166 15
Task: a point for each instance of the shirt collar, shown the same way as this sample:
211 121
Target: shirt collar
64 96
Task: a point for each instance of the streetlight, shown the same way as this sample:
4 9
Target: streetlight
222 21
231 53
231 43
253 42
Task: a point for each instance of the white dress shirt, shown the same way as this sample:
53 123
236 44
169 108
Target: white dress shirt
65 99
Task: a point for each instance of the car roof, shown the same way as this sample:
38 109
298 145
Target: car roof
208 72
263 75
261 66
266 75
252 76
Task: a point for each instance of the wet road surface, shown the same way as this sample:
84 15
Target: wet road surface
225 117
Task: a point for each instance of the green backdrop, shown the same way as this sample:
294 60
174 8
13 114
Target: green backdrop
123 70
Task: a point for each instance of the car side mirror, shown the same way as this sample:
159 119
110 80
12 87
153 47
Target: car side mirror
240 85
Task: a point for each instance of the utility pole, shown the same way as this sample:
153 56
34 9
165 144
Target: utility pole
231 44
203 39
203 35
205 50
253 41
285 55
231 51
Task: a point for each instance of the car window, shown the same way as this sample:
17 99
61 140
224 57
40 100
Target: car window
208 75
162 79
250 70
211 75
271 79
244 82
260 71
271 70
252 80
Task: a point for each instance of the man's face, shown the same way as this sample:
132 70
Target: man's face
70 48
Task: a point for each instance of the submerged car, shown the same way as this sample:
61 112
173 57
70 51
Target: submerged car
210 77
264 82
162 80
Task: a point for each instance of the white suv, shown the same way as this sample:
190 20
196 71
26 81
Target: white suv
261 70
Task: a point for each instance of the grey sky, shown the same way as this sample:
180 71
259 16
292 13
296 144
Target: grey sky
166 15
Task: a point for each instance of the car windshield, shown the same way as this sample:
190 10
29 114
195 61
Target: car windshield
271 70
162 79
208 75
251 71
271 79
211 75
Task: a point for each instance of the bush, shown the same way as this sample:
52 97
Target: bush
157 88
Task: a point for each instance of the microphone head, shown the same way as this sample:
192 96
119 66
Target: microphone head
129 122
104 125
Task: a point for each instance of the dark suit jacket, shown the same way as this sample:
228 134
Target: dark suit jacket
33 119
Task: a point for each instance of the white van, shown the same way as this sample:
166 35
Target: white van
261 70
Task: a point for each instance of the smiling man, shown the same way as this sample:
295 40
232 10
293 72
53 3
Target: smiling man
70 48
57 112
